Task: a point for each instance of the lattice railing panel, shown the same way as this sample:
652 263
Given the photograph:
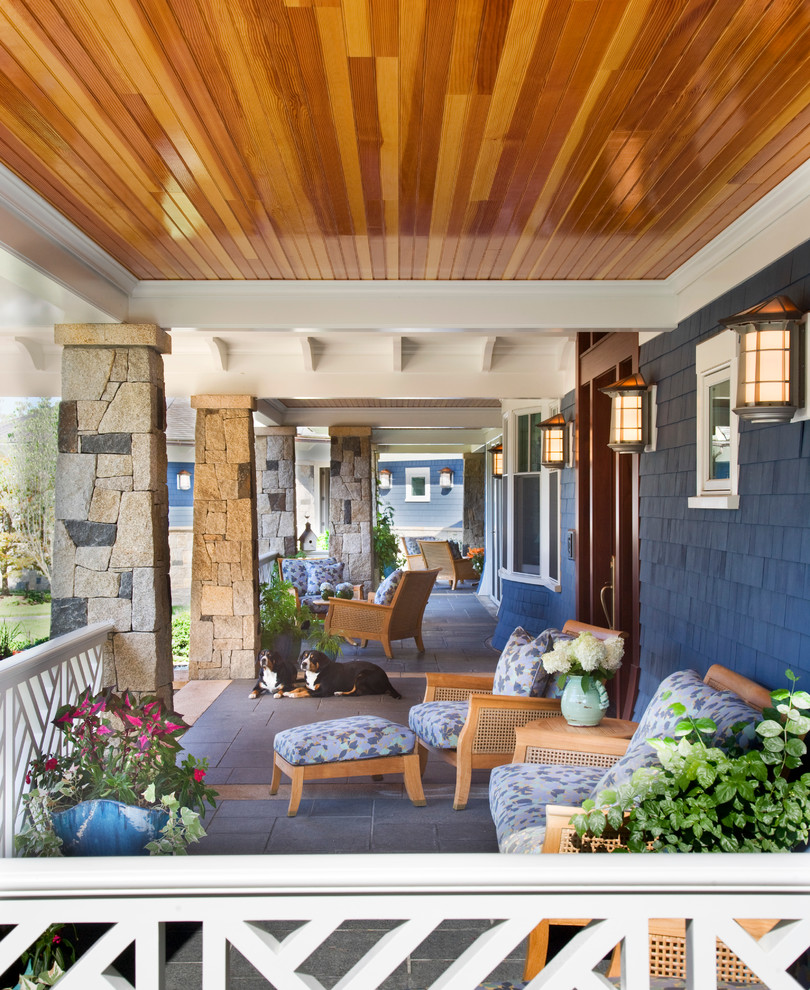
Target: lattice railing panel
288 936
32 687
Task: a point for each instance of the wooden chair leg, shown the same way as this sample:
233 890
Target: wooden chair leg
296 789
423 757
274 783
386 645
413 780
419 644
536 950
463 781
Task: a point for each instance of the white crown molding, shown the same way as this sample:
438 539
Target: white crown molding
35 211
768 230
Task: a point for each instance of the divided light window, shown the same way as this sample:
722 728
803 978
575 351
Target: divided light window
417 484
536 504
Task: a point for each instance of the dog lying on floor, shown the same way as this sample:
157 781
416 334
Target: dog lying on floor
277 675
325 677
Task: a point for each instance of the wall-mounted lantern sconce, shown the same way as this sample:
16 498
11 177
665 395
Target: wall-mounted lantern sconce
497 460
554 442
183 481
770 372
632 415
385 478
446 477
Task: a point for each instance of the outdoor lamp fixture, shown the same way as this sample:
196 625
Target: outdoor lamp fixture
446 477
554 442
632 414
497 460
385 478
770 363
184 481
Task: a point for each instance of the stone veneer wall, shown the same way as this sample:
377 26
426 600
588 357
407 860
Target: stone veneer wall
275 484
111 550
475 471
224 571
350 502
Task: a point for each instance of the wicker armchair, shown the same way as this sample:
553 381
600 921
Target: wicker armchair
487 738
402 619
437 553
413 561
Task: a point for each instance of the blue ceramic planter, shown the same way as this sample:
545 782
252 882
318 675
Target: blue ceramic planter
107 828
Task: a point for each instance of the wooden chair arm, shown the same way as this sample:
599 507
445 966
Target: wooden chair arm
536 743
558 821
444 687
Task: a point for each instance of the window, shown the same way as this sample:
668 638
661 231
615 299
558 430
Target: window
535 548
717 426
417 484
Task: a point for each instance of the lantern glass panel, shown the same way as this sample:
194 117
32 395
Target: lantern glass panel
627 425
765 360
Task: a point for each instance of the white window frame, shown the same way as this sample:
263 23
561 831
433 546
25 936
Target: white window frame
545 409
715 361
410 474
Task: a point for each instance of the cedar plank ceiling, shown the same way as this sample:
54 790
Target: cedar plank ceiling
403 139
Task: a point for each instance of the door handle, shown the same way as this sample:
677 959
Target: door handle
610 614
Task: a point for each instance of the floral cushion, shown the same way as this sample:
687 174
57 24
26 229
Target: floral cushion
438 723
545 683
358 737
386 591
412 543
319 571
519 669
687 687
294 570
315 604
519 793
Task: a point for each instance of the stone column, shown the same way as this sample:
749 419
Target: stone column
350 502
224 566
275 484
475 473
111 540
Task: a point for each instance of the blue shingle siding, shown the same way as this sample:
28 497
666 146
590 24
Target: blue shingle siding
730 587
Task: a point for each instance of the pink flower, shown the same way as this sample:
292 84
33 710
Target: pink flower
52 763
56 939
199 774
28 778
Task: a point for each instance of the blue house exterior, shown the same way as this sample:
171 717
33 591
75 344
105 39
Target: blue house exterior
442 510
716 586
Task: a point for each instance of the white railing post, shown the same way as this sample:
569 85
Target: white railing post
33 685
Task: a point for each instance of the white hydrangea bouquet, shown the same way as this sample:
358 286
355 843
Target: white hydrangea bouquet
586 657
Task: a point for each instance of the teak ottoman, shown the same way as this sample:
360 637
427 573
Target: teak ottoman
357 746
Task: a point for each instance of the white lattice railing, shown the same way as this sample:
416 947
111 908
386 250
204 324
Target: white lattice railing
33 685
232 896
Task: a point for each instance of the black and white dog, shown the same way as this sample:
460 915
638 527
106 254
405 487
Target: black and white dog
325 677
277 675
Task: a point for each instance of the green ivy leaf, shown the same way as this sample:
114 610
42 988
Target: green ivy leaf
769 728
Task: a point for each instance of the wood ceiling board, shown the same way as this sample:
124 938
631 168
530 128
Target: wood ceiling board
376 139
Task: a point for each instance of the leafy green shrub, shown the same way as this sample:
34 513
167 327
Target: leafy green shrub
10 635
181 629
704 799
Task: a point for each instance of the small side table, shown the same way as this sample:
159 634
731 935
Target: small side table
553 740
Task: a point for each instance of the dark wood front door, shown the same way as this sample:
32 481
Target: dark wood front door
607 507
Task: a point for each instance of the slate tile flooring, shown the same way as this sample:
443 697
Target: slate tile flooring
236 734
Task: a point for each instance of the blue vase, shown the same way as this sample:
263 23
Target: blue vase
583 707
107 828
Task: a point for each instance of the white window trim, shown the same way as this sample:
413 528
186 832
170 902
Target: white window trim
546 409
715 360
411 473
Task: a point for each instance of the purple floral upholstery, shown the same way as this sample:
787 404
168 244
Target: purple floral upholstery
358 737
519 793
438 723
386 591
412 543
520 669
316 604
294 570
318 571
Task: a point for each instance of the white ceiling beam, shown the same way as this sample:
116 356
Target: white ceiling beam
421 416
269 412
442 439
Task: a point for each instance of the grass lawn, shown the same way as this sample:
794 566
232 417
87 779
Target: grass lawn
34 620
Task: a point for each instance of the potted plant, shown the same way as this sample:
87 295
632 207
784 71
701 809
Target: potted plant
705 799
386 542
583 665
46 960
286 624
119 790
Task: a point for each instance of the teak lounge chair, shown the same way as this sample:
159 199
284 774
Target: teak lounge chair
486 736
437 553
402 619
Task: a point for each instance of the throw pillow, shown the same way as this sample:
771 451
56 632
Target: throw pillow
517 665
412 545
386 591
294 570
455 550
319 571
545 683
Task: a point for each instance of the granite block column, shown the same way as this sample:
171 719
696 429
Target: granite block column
351 508
224 567
111 539
475 472
275 485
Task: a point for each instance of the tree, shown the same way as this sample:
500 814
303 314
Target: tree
27 475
